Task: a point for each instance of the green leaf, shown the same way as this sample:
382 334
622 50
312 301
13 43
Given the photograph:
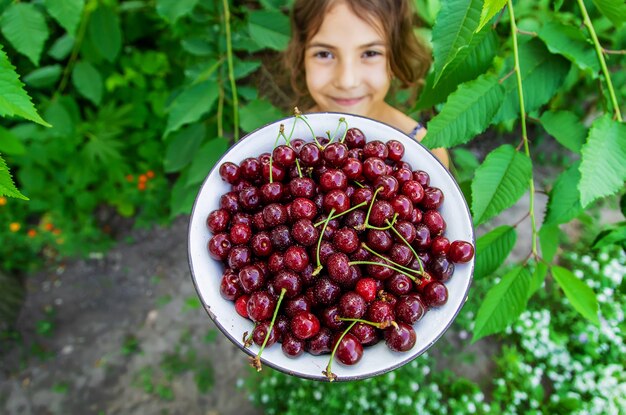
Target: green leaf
205 159
66 12
492 249
14 101
183 197
566 128
490 9
44 77
88 81
7 187
198 46
10 143
63 126
539 276
613 236
464 163
468 64
190 105
503 303
614 10
61 47
499 182
603 166
578 293
269 29
549 241
171 10
542 75
256 114
564 198
467 112
105 32
245 68
454 28
25 28
570 42
183 147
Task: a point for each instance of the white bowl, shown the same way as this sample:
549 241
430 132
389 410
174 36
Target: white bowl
206 272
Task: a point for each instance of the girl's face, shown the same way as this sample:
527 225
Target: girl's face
346 65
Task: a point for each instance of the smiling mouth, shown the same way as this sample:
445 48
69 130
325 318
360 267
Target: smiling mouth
346 102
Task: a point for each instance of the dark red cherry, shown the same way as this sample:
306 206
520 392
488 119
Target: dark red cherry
413 190
217 221
305 325
352 168
302 187
250 169
354 138
337 200
375 148
320 343
374 167
260 333
433 198
229 172
260 306
410 309
284 155
401 338
335 154
435 294
352 305
291 345
460 251
395 150
230 288
310 155
219 246
349 350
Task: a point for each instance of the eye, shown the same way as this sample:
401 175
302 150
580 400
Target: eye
323 54
371 53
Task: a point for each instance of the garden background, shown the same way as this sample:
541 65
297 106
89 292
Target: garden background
113 112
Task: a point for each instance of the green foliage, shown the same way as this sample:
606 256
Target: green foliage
503 303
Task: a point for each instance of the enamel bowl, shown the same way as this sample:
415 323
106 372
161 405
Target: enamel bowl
206 272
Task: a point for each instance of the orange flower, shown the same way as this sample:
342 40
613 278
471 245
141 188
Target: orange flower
14 227
141 186
143 178
31 233
57 231
129 178
3 200
150 174
48 226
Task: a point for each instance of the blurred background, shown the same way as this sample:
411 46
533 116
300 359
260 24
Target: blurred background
98 313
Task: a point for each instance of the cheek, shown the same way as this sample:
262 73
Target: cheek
316 77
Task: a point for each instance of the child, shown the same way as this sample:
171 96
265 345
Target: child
349 51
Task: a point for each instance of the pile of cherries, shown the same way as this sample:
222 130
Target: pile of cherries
332 245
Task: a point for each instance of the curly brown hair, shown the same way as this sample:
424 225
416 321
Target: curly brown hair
409 58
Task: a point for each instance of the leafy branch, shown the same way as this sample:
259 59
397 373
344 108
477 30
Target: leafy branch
599 49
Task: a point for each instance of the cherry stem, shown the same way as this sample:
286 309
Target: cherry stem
319 243
257 359
419 260
247 342
343 213
369 210
281 132
345 133
382 325
367 248
381 264
358 184
303 118
384 228
329 374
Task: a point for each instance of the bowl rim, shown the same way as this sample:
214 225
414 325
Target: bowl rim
295 373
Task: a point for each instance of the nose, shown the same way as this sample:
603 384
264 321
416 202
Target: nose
347 74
